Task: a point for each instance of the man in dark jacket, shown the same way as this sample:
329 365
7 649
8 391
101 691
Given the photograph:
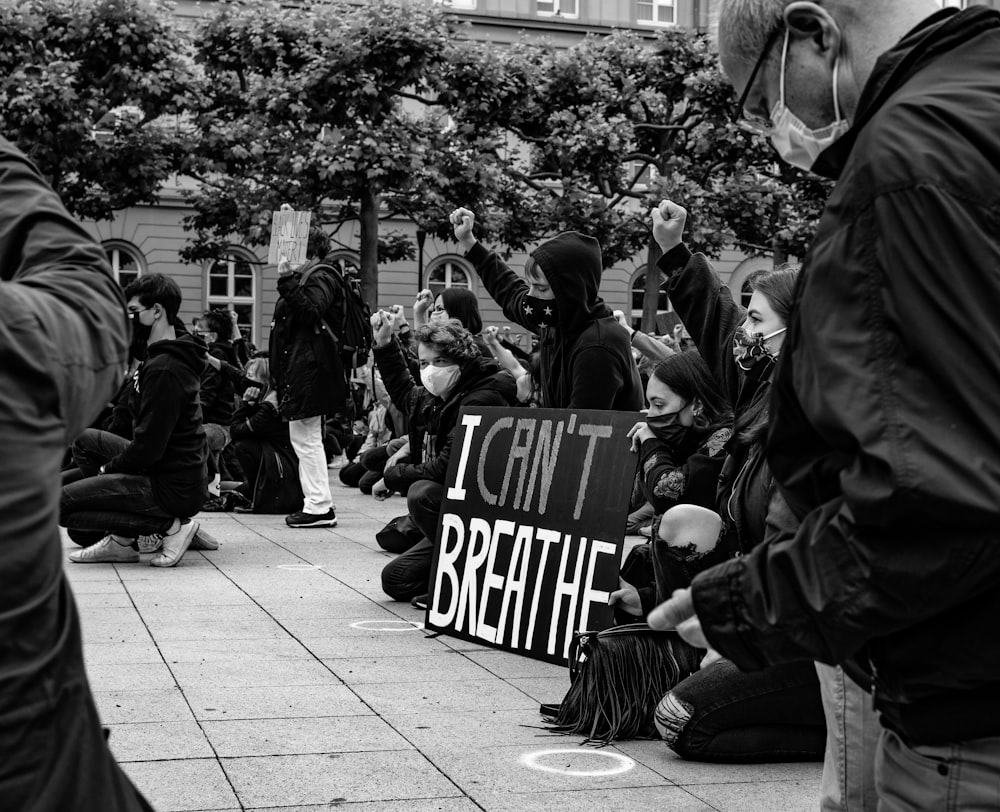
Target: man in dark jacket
586 360
153 483
884 434
308 375
63 340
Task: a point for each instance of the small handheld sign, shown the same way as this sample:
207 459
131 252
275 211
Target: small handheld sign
289 236
532 527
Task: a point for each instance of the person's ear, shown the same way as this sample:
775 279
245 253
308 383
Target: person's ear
697 408
813 23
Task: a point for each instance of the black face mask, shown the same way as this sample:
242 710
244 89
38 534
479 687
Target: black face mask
140 340
667 427
539 314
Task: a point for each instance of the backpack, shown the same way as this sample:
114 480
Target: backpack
348 321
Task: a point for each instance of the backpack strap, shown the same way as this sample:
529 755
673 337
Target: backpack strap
304 277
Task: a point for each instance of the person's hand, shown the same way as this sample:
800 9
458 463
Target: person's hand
678 613
638 434
712 656
380 490
491 335
424 302
251 393
396 459
213 362
398 317
668 224
620 316
463 220
626 596
381 328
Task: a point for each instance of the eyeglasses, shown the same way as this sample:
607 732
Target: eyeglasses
760 125
133 310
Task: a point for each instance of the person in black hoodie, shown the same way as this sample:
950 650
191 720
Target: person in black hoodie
154 483
218 395
586 361
884 436
454 375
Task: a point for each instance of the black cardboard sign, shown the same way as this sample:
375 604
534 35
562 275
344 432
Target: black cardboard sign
530 538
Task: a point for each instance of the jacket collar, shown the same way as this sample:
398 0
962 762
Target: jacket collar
937 35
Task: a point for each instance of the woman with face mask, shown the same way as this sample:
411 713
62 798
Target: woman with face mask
681 447
453 374
720 713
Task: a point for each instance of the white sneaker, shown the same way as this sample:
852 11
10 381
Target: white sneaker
203 540
106 551
175 545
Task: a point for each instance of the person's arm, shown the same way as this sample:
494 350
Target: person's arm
395 374
661 476
63 330
160 407
257 420
704 304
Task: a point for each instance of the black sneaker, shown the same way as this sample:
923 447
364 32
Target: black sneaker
302 519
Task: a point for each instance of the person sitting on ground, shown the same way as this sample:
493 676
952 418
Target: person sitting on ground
681 446
370 463
154 483
218 396
261 444
454 375
720 713
586 361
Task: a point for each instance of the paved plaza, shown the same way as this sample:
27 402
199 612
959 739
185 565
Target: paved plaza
274 674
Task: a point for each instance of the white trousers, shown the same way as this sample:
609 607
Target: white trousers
307 441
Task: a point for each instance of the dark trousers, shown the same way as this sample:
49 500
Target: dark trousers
373 464
408 575
109 503
721 714
248 453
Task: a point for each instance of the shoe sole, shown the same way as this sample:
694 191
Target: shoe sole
318 523
180 555
106 560
203 540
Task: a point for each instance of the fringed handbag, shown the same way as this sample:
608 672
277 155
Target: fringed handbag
618 676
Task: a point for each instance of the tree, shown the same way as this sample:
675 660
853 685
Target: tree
91 91
322 108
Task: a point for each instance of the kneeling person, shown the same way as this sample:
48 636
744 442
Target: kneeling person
153 484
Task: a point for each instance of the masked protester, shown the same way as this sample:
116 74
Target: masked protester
585 357
453 375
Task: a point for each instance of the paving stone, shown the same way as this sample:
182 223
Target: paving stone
633 799
544 689
117 707
95 654
508 665
343 778
275 703
130 677
773 796
183 785
457 732
281 737
253 673
393 644
158 741
433 805
437 696
443 667
243 650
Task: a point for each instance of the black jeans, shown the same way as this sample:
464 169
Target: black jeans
721 714
109 503
408 575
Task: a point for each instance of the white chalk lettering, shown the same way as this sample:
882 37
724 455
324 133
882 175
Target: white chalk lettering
548 538
520 559
546 454
519 454
501 424
478 549
470 421
492 581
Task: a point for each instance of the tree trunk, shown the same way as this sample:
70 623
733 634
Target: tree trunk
651 295
779 253
370 202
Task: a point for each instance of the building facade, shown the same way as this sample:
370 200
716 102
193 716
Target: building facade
148 239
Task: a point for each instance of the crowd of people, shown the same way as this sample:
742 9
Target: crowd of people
816 472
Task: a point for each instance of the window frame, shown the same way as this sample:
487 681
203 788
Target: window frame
635 314
113 249
557 9
452 260
655 6
233 255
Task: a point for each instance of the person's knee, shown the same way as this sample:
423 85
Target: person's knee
423 495
671 717
690 529
404 579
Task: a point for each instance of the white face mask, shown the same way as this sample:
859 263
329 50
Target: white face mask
795 142
439 380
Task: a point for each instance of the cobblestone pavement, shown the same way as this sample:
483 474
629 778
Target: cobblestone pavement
275 674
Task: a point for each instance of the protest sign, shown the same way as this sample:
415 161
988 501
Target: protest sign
532 526
289 236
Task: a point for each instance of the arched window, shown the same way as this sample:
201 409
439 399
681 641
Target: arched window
126 260
448 272
231 284
344 260
639 291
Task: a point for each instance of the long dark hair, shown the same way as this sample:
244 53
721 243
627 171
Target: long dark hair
688 375
778 287
462 304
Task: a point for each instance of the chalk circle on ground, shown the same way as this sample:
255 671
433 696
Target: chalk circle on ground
301 567
388 625
618 763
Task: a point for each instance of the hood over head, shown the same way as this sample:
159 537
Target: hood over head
573 265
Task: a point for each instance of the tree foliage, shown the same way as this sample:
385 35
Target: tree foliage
90 91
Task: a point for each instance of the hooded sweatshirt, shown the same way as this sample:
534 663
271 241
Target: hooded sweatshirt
586 359
168 441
